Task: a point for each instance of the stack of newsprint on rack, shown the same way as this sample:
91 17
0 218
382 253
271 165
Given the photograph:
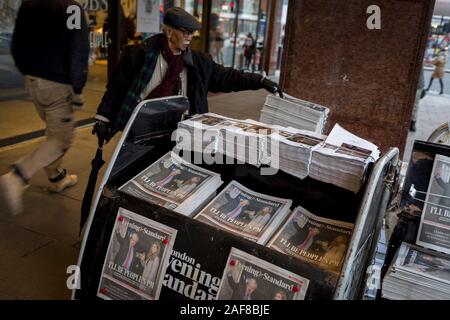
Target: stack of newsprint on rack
175 184
340 159
292 112
418 274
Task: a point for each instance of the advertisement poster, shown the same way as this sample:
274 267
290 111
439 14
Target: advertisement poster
148 16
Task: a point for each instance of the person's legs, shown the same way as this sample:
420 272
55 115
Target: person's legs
54 101
442 86
53 104
431 82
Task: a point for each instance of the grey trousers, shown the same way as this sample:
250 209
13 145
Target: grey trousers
53 102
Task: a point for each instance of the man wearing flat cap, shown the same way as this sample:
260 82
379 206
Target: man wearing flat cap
163 65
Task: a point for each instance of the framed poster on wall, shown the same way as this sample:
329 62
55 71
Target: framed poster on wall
148 16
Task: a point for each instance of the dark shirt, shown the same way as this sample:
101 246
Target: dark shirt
43 46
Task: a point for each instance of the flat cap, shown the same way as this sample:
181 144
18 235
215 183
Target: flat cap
178 17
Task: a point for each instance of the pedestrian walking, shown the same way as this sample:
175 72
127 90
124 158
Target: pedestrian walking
54 61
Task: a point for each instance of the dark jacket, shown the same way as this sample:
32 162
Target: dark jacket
203 75
43 46
121 255
300 236
231 203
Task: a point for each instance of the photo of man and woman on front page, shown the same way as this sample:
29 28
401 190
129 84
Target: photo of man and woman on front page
174 183
137 258
244 212
316 240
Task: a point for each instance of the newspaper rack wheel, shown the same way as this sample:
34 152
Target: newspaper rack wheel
441 134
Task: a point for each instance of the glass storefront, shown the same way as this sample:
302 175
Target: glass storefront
96 13
11 81
237 34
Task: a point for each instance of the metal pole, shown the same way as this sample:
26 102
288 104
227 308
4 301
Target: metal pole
235 31
256 36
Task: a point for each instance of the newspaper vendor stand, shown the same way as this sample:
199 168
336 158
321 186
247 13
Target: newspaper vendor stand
208 246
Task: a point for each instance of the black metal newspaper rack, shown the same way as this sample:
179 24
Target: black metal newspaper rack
208 247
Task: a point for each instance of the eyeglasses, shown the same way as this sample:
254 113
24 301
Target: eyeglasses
186 33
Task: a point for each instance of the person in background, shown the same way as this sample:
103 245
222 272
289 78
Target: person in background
249 50
439 72
54 60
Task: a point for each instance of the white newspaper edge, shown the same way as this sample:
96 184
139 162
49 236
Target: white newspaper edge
339 135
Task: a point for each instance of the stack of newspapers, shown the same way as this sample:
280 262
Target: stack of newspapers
342 159
201 133
293 112
246 213
244 140
417 274
175 184
293 150
211 133
318 241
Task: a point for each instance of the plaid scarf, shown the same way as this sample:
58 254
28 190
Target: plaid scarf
133 98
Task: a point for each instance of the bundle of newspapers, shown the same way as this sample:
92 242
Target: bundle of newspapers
293 112
318 241
340 159
246 213
174 183
211 133
417 274
292 148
